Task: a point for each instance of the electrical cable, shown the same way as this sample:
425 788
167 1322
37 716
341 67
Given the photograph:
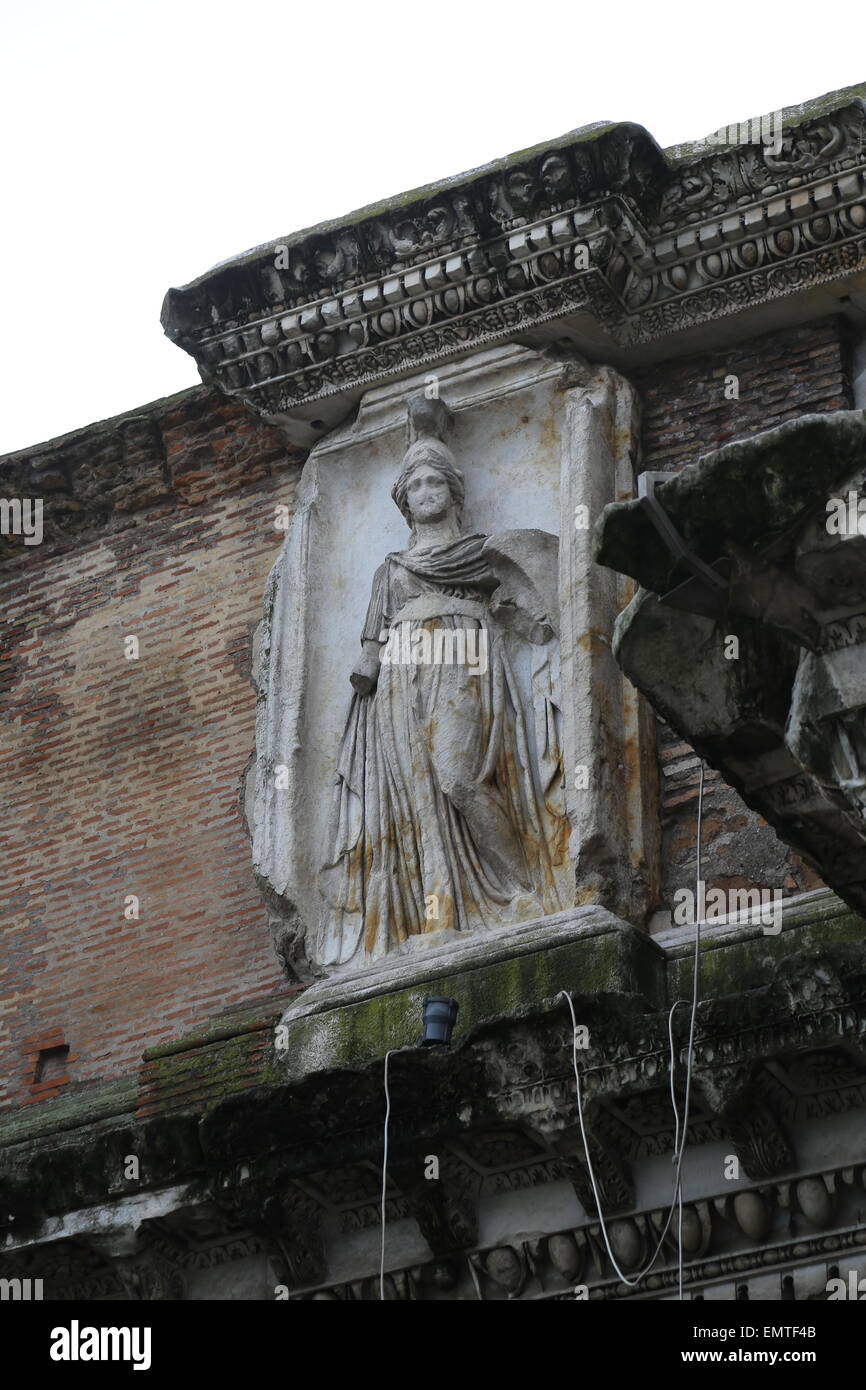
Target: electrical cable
679 1140
679 1150
695 991
674 1006
680 1239
385 1175
691 1033
676 1134
630 1282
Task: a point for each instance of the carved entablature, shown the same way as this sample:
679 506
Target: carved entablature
488 1192
597 229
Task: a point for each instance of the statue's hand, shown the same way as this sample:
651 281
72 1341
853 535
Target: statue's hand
364 684
366 673
533 627
542 630
527 599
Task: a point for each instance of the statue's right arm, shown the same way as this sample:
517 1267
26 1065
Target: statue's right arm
366 672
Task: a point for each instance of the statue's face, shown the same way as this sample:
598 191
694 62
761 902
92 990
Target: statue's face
428 494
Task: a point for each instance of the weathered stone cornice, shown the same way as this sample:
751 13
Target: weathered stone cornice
795 1230
216 1111
235 1162
791 592
597 237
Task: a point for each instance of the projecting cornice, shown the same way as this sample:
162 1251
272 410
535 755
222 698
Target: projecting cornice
598 237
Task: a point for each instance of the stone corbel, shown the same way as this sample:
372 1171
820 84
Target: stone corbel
761 1143
293 1218
150 1277
612 1173
732 1095
446 1207
284 1215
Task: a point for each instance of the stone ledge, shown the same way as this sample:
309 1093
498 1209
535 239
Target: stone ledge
742 957
509 974
99 1105
795 994
812 908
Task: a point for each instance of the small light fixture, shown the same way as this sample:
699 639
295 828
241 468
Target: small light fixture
438 1018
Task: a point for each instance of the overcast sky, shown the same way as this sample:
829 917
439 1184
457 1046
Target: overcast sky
145 143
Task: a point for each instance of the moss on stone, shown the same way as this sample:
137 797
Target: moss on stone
750 961
91 1106
611 969
691 151
201 1076
623 962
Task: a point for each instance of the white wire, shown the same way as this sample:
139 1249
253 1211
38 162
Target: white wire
695 981
676 1137
675 1005
679 1148
695 987
680 1239
385 1177
631 1282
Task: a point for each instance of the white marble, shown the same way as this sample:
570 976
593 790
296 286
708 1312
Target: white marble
535 437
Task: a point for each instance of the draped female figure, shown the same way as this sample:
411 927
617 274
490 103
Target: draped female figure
444 811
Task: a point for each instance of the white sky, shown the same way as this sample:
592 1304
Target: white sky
144 143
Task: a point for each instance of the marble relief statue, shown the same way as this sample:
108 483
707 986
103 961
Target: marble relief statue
447 808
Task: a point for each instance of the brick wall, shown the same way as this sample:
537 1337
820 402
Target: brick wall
780 376
121 776
685 414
